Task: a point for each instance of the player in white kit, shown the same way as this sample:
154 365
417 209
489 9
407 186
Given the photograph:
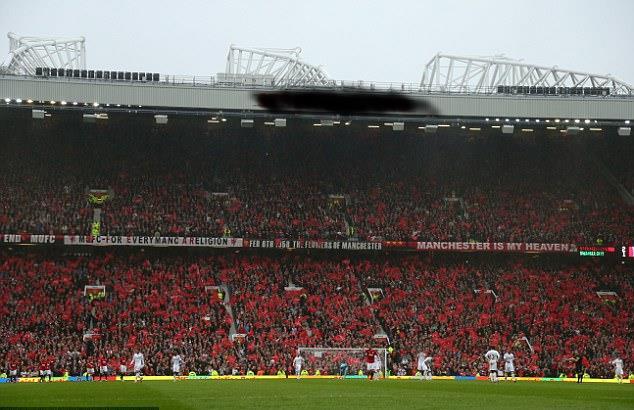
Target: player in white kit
509 366
298 361
493 356
138 361
377 365
618 368
177 362
424 366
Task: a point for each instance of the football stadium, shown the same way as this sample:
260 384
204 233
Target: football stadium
272 237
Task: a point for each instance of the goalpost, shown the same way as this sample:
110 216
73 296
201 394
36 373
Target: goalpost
329 360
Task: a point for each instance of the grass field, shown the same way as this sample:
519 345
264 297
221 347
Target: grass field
320 394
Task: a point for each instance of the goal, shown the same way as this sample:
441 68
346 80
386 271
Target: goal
331 360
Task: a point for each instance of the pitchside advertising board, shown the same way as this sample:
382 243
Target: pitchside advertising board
623 251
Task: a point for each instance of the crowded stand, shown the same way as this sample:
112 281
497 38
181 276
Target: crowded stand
74 308
537 310
280 305
179 182
159 306
235 312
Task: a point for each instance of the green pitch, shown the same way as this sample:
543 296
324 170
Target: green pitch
320 394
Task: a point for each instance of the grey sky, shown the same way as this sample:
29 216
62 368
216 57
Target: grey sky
352 40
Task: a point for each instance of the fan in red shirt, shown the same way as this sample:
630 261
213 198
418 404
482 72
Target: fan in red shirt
369 362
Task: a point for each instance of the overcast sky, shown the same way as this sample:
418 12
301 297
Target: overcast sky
352 40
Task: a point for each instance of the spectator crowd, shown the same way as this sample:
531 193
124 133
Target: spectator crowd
239 312
437 188
233 313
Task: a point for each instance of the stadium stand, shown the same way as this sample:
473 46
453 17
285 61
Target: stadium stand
156 305
236 310
534 308
452 306
312 187
277 321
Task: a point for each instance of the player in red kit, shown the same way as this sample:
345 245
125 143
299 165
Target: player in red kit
42 370
123 368
103 368
369 362
13 371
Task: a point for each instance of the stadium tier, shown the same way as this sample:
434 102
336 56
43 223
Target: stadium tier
306 183
233 313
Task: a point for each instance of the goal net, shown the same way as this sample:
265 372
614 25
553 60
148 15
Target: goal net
341 361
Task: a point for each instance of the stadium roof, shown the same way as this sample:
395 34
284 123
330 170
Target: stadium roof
28 53
451 86
276 67
282 68
486 74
